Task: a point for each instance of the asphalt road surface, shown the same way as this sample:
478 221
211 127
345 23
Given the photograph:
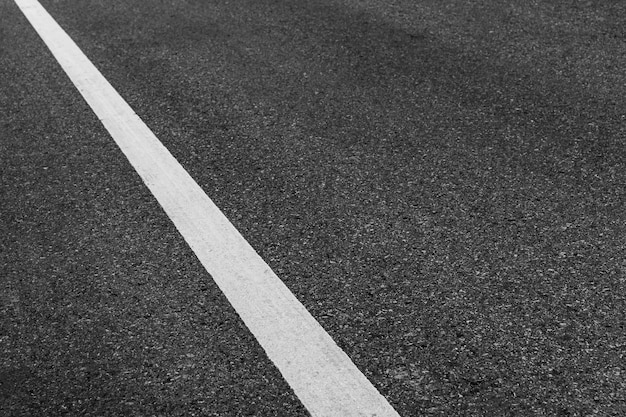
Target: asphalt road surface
440 183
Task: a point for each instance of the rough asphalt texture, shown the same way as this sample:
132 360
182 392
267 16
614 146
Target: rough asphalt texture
441 183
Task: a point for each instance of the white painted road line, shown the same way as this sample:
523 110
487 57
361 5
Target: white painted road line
320 373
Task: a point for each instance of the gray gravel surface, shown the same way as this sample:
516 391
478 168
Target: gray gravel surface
441 183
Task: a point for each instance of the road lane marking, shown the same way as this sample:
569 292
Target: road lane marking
320 373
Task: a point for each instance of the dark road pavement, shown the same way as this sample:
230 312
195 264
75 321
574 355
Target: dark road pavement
440 183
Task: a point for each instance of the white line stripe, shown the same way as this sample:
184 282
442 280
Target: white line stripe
320 373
